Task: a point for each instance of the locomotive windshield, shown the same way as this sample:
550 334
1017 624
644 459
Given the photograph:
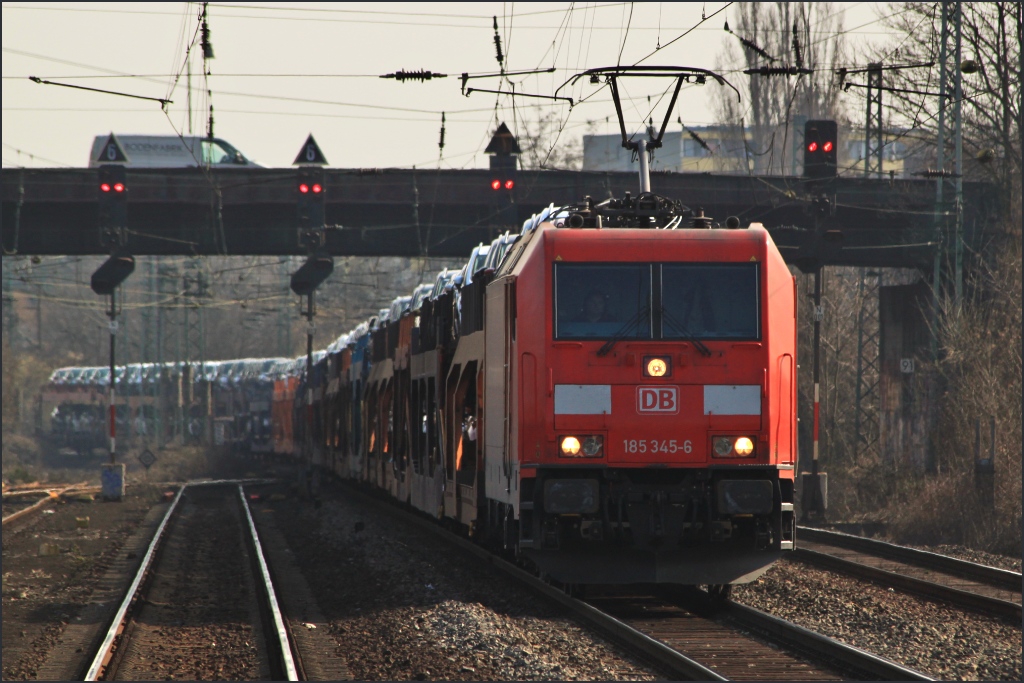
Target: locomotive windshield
709 301
656 301
598 301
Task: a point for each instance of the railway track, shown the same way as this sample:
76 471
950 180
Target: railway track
202 604
688 637
988 590
740 643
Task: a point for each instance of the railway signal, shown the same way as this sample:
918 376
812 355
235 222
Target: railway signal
310 192
112 273
820 153
504 152
313 272
503 173
112 201
309 195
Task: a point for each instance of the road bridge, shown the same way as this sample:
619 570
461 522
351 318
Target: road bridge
409 212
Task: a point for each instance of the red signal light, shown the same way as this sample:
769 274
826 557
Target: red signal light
495 184
303 188
813 147
317 189
509 184
827 146
105 187
118 187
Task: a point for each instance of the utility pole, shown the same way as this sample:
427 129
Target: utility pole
866 427
949 185
159 390
39 316
10 313
284 323
873 122
194 289
799 123
168 348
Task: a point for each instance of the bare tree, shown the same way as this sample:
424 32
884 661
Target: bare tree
992 131
547 145
772 34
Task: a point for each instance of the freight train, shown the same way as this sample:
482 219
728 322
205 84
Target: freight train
610 394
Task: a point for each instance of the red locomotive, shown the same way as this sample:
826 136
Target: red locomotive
639 391
608 394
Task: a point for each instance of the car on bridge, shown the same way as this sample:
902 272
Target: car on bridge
171 151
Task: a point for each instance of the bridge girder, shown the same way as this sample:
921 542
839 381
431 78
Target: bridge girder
400 212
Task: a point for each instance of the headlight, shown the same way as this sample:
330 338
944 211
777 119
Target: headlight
723 446
657 366
592 446
743 446
570 445
733 446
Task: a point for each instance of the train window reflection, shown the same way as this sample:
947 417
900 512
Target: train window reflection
710 301
601 301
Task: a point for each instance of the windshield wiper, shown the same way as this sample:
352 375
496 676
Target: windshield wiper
622 332
686 334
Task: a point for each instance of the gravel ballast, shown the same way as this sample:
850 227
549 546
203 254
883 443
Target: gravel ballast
404 605
938 640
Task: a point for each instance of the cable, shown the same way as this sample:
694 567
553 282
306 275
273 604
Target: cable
685 33
622 46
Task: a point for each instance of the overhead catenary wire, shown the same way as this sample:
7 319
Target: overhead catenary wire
574 32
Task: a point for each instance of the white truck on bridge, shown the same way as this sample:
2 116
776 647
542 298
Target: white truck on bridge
171 151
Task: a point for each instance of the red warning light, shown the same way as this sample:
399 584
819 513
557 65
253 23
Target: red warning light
813 147
827 146
105 187
509 184
317 189
303 188
495 184
118 187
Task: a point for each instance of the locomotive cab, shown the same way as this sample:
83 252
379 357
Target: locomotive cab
652 390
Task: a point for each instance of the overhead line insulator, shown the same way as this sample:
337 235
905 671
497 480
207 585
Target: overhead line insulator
777 71
797 54
421 75
497 45
696 138
751 45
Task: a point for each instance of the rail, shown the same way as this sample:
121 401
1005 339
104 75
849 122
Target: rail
803 639
278 640
282 643
1001 578
992 602
676 663
103 652
673 662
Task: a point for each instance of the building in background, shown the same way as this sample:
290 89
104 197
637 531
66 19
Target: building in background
730 151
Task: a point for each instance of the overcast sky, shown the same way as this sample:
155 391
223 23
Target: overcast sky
282 71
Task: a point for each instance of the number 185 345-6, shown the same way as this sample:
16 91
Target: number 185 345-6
656 446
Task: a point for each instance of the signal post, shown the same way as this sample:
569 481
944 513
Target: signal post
311 218
820 167
112 200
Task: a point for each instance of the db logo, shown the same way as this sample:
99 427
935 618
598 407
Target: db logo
657 399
